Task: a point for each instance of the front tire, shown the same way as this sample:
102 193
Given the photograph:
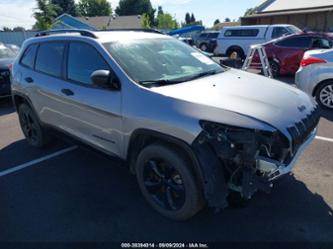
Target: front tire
167 182
324 95
275 68
31 128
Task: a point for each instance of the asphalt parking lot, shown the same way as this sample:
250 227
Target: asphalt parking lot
70 194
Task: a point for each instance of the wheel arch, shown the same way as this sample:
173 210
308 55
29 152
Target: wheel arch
315 89
19 99
234 47
141 138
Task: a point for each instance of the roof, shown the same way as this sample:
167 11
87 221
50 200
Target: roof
97 22
112 22
226 24
289 12
288 5
262 26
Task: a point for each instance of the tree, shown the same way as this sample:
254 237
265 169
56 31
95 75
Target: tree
145 21
187 18
193 18
6 29
160 10
217 21
190 20
18 29
65 6
94 8
166 21
136 7
227 19
45 13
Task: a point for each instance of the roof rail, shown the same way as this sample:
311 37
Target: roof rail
137 29
82 32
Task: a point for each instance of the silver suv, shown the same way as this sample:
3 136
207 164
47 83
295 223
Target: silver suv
193 132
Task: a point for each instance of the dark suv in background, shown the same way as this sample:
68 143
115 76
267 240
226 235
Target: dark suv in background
7 57
207 41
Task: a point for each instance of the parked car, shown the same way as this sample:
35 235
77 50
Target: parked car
285 54
191 130
13 47
7 57
187 40
239 38
206 41
315 76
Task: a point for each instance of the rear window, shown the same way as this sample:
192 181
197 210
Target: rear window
49 58
28 57
296 42
241 32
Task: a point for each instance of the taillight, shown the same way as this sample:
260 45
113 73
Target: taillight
311 60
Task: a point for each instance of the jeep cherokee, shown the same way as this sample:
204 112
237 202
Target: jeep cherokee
192 131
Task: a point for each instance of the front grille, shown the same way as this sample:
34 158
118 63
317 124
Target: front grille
300 131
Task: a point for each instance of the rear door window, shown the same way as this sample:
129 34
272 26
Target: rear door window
83 60
28 57
49 58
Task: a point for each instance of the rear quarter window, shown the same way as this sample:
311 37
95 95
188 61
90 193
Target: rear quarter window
241 32
28 57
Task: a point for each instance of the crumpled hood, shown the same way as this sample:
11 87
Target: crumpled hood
258 97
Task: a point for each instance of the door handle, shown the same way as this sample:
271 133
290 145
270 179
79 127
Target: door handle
29 79
67 92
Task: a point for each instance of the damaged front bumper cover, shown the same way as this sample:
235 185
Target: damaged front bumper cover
241 160
282 169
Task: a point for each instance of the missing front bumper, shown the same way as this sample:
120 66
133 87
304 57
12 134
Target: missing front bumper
279 169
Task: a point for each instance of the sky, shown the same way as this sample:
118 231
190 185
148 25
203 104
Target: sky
19 12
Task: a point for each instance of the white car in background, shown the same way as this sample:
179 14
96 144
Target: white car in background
240 38
315 76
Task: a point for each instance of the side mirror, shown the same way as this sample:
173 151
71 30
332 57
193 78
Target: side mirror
105 79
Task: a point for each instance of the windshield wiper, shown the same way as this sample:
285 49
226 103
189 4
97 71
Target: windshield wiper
150 83
203 74
159 82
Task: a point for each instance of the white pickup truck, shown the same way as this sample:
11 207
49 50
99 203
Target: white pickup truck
240 38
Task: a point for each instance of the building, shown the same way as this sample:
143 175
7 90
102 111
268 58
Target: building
95 23
221 25
314 15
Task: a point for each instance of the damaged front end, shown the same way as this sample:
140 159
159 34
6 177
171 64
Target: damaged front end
243 160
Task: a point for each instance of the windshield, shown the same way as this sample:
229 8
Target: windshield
168 60
6 52
293 30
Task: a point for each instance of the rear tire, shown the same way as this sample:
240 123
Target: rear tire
324 95
204 47
167 182
31 128
239 51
